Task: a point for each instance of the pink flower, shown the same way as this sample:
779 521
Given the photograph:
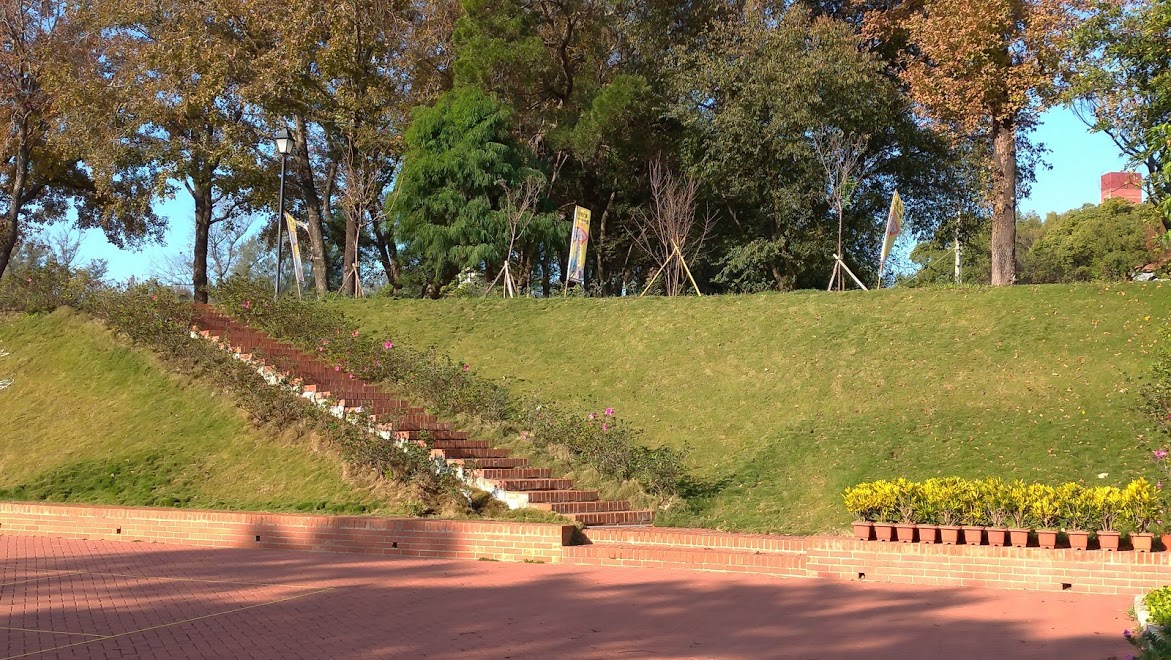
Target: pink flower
605 427
377 363
154 298
1159 485
324 342
355 333
247 304
387 345
351 376
609 412
320 349
593 416
467 367
337 368
1160 454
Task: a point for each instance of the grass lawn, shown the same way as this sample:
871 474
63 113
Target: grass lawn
785 399
89 419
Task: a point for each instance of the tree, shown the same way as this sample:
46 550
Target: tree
347 72
41 174
1106 242
166 92
447 206
751 99
983 71
1121 82
671 233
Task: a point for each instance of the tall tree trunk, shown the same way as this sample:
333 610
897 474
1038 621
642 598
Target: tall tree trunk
201 192
1003 202
600 275
350 270
546 275
313 207
387 253
10 224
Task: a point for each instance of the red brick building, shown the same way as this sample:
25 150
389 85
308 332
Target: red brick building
1127 185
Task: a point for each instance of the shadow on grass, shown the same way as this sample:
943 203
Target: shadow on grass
252 603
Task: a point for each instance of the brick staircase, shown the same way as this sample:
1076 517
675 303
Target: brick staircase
694 549
510 479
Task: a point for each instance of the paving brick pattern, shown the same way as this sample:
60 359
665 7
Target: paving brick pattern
64 598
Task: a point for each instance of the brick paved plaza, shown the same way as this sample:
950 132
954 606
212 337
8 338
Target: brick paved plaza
98 599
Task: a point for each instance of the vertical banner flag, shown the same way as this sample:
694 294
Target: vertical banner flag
296 249
894 225
577 245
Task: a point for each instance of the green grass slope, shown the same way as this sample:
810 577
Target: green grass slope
89 419
784 400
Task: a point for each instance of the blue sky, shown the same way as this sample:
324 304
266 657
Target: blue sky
1077 159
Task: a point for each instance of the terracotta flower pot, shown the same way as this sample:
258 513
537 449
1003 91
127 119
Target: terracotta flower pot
949 535
1165 539
1020 537
973 535
1046 538
928 533
905 533
883 531
862 530
1108 540
996 535
1141 542
1078 540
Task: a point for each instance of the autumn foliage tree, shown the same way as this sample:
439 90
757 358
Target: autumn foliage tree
41 172
984 70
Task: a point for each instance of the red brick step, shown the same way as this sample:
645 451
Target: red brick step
534 484
516 473
614 517
562 496
583 507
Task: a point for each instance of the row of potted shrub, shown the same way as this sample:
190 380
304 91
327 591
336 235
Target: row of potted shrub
953 510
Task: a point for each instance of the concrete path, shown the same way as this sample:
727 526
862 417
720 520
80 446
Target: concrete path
96 599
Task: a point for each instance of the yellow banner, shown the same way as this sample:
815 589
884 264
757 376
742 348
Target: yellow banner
577 245
296 248
894 226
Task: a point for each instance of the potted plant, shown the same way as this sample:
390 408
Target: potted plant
906 503
927 512
994 503
1019 513
1140 506
1108 504
1076 514
860 502
970 499
885 509
946 502
1043 510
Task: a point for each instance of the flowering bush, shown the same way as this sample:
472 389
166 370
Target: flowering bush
450 387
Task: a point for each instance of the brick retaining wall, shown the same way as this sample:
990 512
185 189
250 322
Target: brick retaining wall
843 558
406 537
1084 571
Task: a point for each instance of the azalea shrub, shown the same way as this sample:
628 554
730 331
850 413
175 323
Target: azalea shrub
597 440
44 288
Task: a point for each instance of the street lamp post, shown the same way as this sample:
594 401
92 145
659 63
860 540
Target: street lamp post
284 143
